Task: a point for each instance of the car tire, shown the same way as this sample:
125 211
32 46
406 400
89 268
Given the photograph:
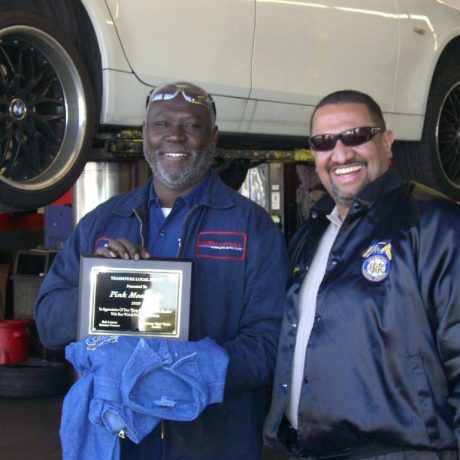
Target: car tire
47 111
435 161
34 378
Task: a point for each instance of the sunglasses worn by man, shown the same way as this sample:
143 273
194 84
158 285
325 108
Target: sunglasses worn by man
191 93
350 138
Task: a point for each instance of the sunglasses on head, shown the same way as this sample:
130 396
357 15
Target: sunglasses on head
350 138
190 93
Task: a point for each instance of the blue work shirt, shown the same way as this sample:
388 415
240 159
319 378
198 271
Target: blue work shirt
165 232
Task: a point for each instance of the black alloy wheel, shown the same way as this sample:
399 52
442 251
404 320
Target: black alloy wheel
46 112
435 160
448 135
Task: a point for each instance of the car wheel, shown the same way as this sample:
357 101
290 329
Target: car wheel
435 161
46 112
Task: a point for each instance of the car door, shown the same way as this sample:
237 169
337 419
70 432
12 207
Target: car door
207 42
306 49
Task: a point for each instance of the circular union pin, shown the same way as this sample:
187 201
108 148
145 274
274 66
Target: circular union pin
376 267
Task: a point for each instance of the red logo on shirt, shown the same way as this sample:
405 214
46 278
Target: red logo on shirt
221 245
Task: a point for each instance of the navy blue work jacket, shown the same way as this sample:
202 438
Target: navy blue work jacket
240 273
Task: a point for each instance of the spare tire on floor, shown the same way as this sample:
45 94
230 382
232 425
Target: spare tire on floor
35 378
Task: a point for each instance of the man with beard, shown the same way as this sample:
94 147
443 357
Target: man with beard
240 267
369 356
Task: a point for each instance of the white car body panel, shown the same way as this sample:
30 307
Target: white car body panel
208 42
117 75
110 48
268 62
127 109
305 50
426 28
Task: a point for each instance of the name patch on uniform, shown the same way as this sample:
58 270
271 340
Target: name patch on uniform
221 245
377 261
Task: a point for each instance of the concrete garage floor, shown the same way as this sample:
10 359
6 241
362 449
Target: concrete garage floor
29 430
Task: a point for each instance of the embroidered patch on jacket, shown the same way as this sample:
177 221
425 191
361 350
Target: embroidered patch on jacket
377 261
95 341
221 245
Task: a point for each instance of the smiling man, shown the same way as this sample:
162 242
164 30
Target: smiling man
345 164
369 356
240 267
179 142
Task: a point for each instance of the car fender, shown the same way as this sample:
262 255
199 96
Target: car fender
110 47
430 39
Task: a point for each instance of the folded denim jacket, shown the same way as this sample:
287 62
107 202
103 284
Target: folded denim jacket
128 385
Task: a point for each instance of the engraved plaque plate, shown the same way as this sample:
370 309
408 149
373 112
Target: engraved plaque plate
134 297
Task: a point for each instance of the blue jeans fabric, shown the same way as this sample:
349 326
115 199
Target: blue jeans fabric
128 385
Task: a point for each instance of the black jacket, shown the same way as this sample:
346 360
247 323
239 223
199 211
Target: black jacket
383 360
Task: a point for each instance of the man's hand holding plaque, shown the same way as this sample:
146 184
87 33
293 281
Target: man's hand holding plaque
123 249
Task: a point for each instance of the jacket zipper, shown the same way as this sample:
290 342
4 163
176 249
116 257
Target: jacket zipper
179 249
141 226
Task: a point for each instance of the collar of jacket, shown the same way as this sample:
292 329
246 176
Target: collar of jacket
217 195
386 183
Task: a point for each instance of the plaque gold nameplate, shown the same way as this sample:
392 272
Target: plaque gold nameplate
134 297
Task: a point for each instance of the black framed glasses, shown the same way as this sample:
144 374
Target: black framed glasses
191 93
350 138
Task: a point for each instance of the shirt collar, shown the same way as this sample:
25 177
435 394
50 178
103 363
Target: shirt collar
334 217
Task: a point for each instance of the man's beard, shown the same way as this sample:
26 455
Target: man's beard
188 176
343 198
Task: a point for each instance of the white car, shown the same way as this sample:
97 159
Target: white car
75 73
